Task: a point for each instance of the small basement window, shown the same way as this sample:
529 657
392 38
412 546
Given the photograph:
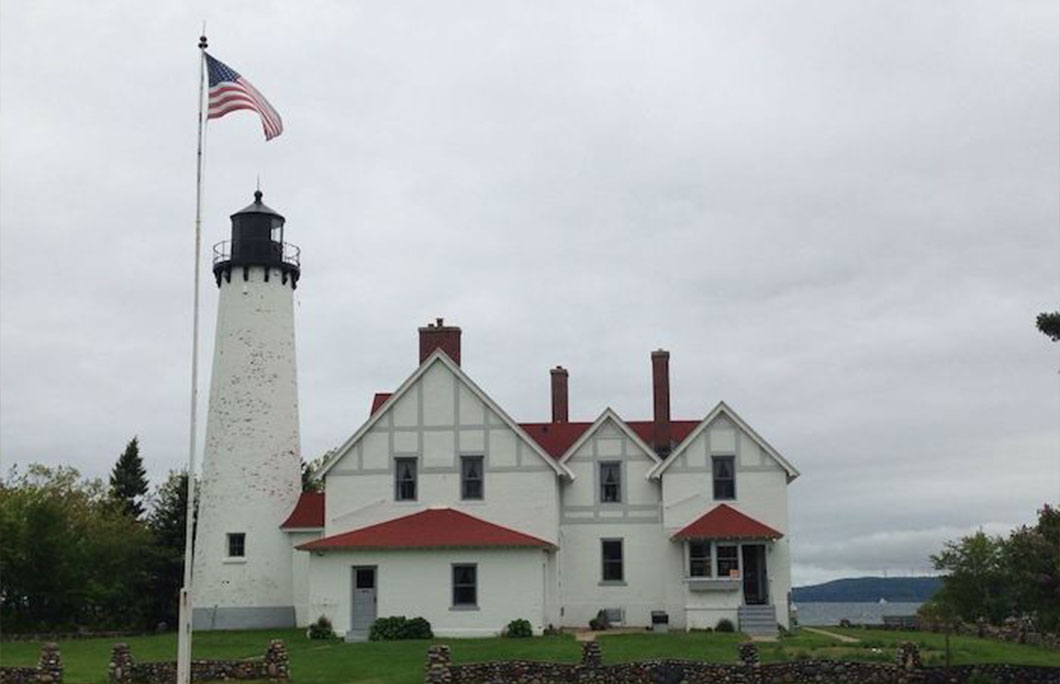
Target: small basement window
728 560
699 558
465 585
404 479
611 482
237 544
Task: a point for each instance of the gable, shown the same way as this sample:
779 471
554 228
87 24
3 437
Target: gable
438 413
608 436
723 432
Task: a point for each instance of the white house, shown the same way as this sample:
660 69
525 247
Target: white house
441 505
444 506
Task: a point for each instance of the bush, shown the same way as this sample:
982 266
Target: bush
399 627
321 629
725 625
519 629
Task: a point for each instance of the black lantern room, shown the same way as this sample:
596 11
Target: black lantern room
257 240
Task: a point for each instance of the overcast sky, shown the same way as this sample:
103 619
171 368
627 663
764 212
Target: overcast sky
840 217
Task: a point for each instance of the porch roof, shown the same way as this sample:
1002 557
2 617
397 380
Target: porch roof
725 522
434 528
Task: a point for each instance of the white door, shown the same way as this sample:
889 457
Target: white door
364 599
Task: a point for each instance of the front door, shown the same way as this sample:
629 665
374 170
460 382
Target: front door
755 586
363 604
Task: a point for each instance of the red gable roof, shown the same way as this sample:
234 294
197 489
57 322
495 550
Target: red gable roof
378 400
556 438
429 529
725 522
308 512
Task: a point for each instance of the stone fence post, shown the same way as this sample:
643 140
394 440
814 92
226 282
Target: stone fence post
438 661
908 656
591 654
50 665
277 662
121 664
749 654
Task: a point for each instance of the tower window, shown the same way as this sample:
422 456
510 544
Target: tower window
471 477
724 477
611 482
237 544
405 479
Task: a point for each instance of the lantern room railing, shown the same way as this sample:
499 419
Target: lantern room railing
259 252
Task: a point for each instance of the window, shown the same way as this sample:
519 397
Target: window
699 559
611 550
724 477
470 477
405 479
237 544
465 585
611 482
727 560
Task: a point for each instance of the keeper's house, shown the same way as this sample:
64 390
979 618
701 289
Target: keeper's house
442 505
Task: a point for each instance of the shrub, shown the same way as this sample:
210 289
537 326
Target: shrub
518 629
399 627
725 625
552 631
321 629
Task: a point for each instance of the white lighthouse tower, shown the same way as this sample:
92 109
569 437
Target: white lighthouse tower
252 464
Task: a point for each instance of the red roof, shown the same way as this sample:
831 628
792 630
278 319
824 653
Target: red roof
308 512
556 438
378 400
430 529
725 522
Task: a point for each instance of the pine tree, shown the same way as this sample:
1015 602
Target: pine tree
167 523
128 480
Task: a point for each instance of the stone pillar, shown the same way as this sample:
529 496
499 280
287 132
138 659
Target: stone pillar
277 662
749 654
591 654
908 655
50 665
438 662
121 662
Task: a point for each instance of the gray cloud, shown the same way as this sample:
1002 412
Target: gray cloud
839 217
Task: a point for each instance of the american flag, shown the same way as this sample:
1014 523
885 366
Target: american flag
229 91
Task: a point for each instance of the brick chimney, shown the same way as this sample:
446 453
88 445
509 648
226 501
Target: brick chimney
662 438
438 335
559 395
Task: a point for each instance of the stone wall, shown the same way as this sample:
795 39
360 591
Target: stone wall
591 670
274 666
49 668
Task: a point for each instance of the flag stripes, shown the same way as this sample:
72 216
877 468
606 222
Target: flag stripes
231 92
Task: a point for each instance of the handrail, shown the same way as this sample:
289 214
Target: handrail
288 254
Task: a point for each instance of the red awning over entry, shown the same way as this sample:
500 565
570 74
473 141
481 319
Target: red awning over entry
725 522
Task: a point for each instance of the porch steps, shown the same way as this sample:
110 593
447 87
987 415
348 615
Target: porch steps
758 620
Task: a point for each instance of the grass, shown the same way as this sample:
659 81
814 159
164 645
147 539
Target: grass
401 662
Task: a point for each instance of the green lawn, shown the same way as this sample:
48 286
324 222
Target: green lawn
401 662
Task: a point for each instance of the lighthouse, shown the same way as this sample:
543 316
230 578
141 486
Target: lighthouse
251 476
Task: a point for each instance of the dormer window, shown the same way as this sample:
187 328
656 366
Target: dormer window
404 479
724 468
611 482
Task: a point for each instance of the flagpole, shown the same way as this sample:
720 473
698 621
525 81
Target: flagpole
184 633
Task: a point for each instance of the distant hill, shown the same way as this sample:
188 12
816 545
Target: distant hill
863 589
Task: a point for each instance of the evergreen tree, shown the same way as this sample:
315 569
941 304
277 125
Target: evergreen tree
128 480
167 524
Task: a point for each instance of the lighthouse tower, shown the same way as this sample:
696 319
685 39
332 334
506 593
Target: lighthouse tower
251 476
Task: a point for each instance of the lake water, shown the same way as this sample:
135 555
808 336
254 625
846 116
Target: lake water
858 613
